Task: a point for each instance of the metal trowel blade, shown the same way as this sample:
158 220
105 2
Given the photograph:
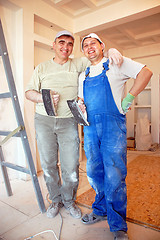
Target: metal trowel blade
77 113
48 104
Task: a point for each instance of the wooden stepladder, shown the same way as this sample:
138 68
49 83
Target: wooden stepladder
18 132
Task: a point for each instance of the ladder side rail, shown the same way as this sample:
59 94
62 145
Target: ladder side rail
5 174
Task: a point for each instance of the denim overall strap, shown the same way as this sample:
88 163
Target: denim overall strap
87 72
106 65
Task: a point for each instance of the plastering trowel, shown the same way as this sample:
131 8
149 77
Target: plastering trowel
77 113
48 103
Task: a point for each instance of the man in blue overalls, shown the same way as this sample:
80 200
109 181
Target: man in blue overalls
101 88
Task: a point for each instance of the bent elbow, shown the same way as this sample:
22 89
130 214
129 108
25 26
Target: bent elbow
148 74
26 95
151 73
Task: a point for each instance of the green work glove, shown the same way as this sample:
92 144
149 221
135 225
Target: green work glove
127 102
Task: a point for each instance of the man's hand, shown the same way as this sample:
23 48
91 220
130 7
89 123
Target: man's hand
81 105
114 56
127 102
55 97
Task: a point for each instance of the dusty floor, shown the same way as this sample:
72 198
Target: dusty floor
20 216
143 191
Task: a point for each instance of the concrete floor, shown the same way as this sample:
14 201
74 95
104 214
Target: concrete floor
21 218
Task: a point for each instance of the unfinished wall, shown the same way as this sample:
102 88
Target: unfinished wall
29 42
11 18
30 29
151 57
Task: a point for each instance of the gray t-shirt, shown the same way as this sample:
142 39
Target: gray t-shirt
60 78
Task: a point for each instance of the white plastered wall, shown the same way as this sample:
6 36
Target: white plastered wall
17 18
150 56
23 35
11 18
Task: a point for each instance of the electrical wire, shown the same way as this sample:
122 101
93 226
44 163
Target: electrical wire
42 233
50 202
57 238
60 230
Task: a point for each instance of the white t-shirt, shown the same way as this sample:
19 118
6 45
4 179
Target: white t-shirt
117 77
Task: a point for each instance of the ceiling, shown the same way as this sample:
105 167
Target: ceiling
76 8
142 32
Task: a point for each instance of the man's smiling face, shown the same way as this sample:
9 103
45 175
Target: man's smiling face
63 47
93 50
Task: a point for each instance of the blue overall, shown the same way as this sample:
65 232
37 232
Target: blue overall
105 147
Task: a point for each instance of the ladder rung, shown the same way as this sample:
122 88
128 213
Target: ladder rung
15 167
5 95
6 133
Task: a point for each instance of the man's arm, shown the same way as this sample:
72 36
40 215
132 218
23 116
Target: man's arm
34 96
140 83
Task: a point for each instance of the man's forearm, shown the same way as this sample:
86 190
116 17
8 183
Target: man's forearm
34 96
141 81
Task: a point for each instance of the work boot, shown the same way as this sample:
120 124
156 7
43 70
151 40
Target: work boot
53 209
74 210
120 235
